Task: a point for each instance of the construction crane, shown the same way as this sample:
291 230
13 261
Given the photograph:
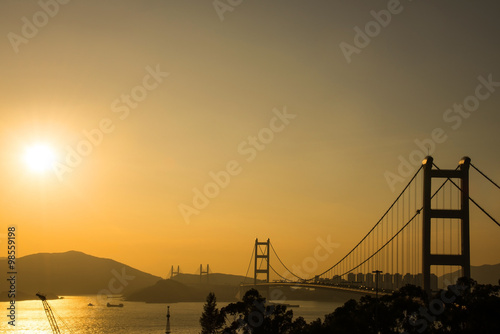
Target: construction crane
50 314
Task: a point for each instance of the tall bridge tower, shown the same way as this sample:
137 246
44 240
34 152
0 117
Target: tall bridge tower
429 213
261 254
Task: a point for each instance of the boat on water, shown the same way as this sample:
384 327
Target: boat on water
90 304
114 305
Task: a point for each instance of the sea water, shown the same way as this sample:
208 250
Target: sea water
73 315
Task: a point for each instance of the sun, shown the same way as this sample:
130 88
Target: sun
39 157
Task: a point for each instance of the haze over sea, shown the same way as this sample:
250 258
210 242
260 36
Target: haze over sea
133 318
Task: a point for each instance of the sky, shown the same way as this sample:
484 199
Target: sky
302 111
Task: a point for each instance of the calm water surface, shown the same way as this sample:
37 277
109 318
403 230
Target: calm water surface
135 317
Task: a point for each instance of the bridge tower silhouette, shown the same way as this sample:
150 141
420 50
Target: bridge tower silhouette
425 232
264 255
202 272
428 258
173 272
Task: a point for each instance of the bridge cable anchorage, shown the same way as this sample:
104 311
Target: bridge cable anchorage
496 185
272 247
378 222
250 264
473 201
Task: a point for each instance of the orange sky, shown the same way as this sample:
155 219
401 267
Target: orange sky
177 94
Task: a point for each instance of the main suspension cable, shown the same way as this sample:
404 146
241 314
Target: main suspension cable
286 279
473 201
272 247
394 236
389 241
250 264
496 185
378 222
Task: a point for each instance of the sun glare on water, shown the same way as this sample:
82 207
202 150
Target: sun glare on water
39 158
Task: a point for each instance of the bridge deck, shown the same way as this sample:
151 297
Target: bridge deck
318 286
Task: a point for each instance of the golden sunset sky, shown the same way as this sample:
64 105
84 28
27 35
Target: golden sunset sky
308 116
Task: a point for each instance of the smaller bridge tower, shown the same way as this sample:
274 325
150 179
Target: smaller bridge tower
261 254
173 272
204 272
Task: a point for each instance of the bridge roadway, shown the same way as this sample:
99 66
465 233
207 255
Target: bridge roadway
317 286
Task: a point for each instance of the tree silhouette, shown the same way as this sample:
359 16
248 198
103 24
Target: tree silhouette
253 315
211 320
476 309
464 308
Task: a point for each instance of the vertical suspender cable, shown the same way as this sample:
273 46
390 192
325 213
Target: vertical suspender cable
392 243
397 239
403 241
416 239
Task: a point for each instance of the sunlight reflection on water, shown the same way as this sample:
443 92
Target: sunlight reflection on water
135 317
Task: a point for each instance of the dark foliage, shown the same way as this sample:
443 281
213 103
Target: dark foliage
464 308
211 320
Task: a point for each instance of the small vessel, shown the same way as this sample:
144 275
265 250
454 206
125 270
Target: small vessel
90 304
283 304
114 305
292 305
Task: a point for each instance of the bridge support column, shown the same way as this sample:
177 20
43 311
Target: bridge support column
429 259
261 254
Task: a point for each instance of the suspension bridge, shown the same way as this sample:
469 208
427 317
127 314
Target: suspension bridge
424 232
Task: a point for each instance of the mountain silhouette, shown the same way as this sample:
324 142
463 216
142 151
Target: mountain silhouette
74 273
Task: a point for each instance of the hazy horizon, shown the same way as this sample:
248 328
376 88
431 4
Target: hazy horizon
145 103
196 270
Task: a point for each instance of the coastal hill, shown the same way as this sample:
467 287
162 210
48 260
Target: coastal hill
191 288
214 279
485 274
74 273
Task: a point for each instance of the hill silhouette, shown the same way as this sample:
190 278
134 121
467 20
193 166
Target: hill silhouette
190 288
485 274
214 279
75 273
166 291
